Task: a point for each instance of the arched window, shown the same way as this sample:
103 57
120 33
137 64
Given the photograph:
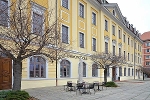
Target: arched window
120 71
94 70
84 69
65 68
37 67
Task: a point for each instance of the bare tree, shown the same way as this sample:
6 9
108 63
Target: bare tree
28 36
105 60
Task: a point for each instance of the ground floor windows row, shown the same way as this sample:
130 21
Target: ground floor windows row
37 68
127 71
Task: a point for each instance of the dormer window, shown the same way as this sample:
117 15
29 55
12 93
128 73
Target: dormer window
114 13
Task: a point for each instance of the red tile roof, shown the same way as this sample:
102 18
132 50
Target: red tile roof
145 36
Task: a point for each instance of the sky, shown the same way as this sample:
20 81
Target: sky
137 13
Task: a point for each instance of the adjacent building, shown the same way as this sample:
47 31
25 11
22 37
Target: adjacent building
89 26
145 37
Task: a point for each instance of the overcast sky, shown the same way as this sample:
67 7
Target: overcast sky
137 13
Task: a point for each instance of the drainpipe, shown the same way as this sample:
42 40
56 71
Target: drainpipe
56 45
134 55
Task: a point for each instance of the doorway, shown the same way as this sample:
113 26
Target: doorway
113 73
5 73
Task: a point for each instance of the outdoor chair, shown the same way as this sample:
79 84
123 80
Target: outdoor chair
70 86
91 86
79 87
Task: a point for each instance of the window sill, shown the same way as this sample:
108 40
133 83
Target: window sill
65 8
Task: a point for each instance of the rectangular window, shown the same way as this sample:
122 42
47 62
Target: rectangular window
106 25
81 40
148 44
124 38
4 13
64 34
106 47
65 3
94 44
37 23
113 50
119 51
81 10
119 34
128 71
93 18
147 57
124 71
128 41
147 63
113 29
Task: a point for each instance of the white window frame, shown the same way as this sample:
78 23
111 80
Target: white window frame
147 44
147 49
9 3
68 4
113 29
28 68
84 39
106 25
147 64
96 69
95 45
68 33
119 34
79 9
94 20
147 57
39 10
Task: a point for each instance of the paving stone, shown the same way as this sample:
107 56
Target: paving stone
128 90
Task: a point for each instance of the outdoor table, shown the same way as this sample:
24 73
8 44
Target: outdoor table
98 86
85 87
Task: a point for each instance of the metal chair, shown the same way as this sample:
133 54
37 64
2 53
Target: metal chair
79 87
70 86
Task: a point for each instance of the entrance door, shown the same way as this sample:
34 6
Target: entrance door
113 74
5 73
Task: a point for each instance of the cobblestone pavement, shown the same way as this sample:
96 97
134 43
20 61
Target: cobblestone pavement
127 90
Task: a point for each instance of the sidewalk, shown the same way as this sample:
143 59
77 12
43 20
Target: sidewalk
127 90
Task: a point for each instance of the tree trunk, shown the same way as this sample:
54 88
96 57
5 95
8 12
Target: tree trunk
17 74
105 75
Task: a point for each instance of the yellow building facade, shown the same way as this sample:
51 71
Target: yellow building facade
89 26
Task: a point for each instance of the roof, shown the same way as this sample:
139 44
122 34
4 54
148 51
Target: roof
145 36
